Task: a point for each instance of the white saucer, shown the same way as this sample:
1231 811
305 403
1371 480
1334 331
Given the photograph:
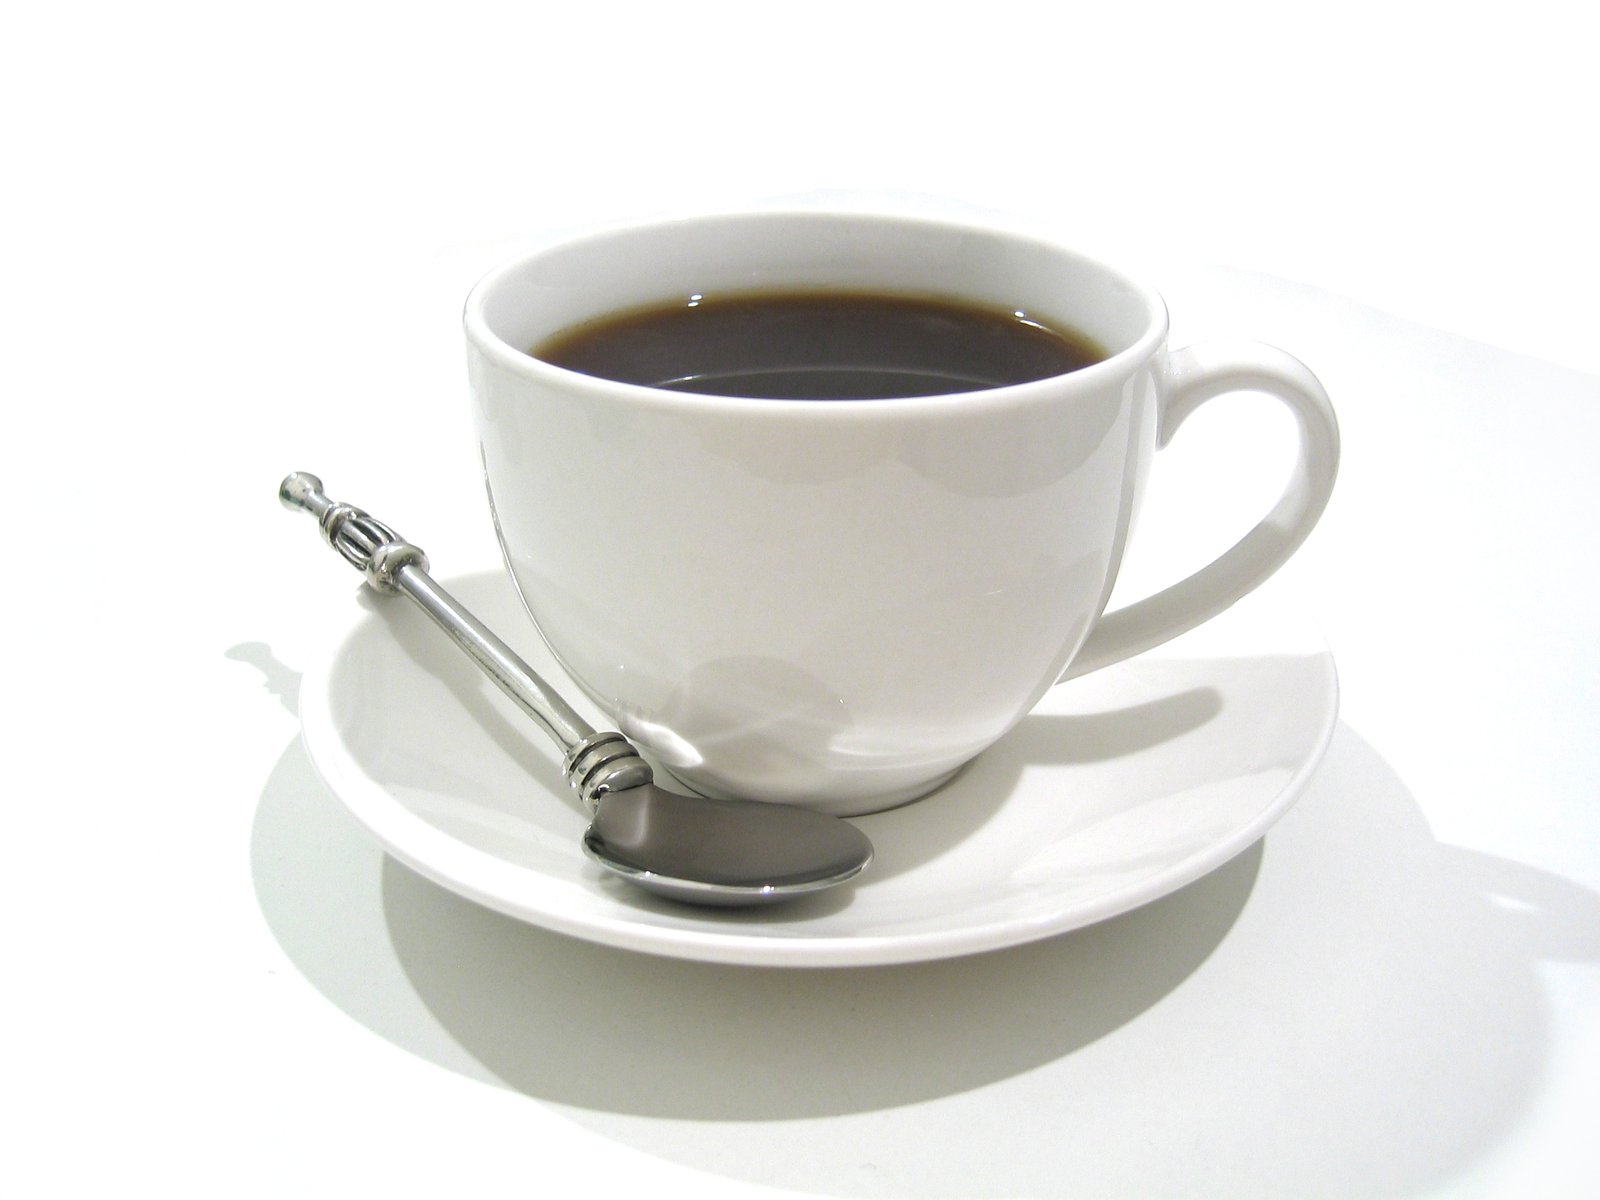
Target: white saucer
1119 788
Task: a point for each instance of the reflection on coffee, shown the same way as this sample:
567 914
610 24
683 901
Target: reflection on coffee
826 345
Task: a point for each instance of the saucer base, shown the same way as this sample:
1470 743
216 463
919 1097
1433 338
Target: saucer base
1119 788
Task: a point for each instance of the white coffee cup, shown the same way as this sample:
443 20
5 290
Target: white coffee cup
839 604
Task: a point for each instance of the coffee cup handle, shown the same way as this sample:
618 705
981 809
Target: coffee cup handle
1186 379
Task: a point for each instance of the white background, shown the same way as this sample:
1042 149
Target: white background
236 239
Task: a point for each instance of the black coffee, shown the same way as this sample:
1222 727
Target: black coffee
820 346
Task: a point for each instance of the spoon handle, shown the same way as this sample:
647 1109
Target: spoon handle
595 763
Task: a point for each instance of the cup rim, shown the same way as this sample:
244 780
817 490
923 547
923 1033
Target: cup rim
1120 363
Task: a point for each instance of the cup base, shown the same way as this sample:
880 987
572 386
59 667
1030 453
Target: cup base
836 806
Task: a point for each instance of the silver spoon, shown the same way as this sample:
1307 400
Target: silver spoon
691 848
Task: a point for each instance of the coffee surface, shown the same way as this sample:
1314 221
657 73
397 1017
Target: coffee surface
820 346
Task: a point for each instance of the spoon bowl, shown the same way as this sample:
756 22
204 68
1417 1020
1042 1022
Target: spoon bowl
722 852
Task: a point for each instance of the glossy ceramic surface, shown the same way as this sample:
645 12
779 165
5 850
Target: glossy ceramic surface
839 604
1118 789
